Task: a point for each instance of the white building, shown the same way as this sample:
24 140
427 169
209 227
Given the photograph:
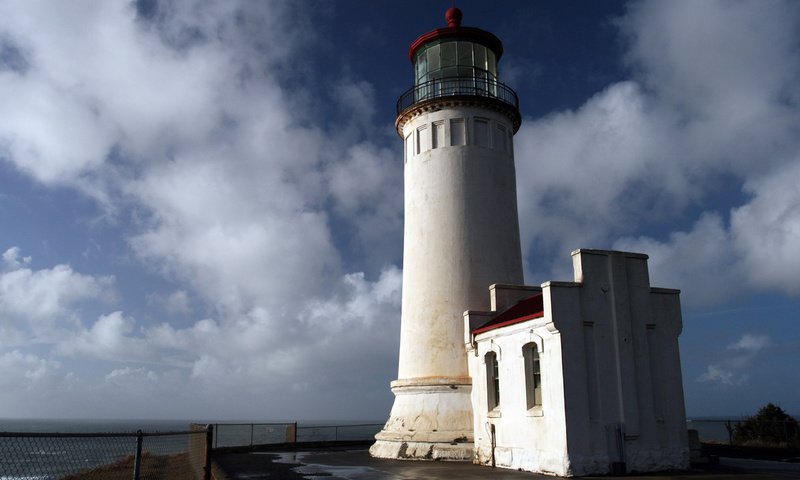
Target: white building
583 377
570 378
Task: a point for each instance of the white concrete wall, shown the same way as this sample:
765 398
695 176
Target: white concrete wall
610 364
461 235
530 439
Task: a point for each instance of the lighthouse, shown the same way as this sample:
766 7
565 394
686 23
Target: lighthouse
461 232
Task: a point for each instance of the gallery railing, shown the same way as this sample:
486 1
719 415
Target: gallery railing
455 87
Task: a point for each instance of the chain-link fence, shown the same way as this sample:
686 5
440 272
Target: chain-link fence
89 456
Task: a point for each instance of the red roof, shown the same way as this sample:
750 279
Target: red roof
526 309
455 30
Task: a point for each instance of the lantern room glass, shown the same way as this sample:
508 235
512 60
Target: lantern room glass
455 59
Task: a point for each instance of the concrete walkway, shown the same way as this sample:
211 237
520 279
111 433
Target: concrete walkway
356 464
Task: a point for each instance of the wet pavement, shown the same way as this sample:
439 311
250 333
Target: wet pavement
356 464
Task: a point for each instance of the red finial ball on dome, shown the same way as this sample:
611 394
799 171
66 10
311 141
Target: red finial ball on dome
453 16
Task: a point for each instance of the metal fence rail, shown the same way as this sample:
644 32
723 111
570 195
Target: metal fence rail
254 434
90 456
337 433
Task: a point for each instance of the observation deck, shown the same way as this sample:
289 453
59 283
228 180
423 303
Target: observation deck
464 90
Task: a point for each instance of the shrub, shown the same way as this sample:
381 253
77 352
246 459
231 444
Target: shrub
771 426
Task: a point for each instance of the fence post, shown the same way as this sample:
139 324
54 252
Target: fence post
137 459
251 435
207 463
336 434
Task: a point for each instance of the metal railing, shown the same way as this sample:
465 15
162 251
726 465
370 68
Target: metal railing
455 87
257 434
179 455
338 433
249 434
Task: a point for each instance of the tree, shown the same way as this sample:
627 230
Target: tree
770 426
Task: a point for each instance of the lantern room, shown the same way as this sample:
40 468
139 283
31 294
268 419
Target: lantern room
457 61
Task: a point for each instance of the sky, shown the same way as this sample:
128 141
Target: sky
201 201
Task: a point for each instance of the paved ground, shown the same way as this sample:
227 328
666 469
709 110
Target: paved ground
356 464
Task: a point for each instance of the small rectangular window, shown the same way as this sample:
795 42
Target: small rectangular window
481 127
457 133
409 144
422 139
492 381
437 139
533 375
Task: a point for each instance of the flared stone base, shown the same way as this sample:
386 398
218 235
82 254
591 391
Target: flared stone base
431 420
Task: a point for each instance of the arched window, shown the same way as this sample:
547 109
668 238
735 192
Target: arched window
492 381
533 375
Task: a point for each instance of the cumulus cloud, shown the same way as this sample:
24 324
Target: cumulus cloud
109 338
40 303
14 260
722 376
713 96
741 356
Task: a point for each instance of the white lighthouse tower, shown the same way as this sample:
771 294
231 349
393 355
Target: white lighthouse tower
461 232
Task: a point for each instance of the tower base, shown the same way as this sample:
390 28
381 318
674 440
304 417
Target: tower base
431 419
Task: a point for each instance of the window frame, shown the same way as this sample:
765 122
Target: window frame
492 380
533 376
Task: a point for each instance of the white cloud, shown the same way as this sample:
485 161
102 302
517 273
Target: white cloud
108 338
42 302
740 357
14 260
713 97
766 230
751 343
20 371
722 376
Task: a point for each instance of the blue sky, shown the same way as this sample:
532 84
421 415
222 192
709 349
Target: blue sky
201 201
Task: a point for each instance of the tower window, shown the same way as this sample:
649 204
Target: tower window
533 375
437 139
422 139
492 381
481 126
457 134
